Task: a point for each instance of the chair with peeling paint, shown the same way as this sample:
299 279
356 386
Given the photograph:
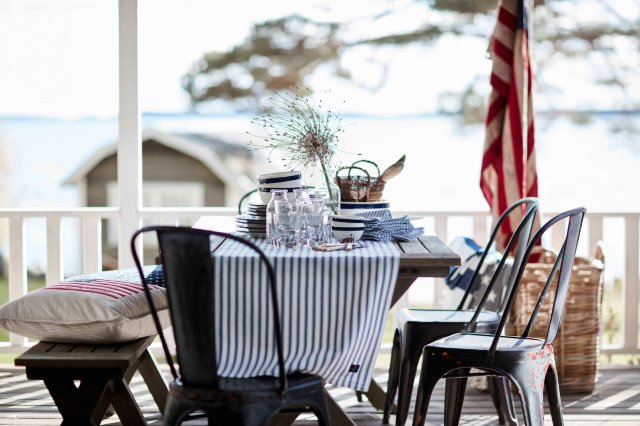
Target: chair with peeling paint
417 327
527 362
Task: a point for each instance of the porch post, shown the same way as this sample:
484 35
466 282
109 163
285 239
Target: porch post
129 139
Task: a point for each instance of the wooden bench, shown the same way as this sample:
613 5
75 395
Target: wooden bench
103 372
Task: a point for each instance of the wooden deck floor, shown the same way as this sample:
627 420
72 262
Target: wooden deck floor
616 401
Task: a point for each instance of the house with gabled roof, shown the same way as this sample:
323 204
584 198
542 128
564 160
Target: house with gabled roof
179 170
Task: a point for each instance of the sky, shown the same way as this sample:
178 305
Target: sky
60 57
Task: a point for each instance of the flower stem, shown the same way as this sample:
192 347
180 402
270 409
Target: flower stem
327 180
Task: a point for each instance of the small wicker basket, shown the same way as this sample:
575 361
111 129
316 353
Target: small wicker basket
577 345
359 187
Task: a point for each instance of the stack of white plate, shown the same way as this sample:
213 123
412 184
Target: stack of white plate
254 222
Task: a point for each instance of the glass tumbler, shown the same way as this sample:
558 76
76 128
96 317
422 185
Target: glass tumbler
287 224
277 195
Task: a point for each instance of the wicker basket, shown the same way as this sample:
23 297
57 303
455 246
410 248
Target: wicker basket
577 345
359 187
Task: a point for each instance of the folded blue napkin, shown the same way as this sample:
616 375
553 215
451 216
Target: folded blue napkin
380 226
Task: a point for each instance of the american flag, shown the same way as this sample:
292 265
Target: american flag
509 163
114 284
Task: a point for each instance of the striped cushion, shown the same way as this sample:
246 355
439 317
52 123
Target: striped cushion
104 307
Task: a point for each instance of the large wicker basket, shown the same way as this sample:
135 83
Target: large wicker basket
577 346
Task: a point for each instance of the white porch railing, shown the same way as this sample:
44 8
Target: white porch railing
444 224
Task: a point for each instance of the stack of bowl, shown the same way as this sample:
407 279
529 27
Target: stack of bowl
349 208
347 227
281 180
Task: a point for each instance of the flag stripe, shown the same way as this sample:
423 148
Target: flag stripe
110 288
507 19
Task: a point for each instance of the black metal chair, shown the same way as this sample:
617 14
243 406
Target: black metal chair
189 279
417 327
527 362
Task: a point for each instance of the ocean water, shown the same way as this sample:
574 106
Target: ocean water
578 164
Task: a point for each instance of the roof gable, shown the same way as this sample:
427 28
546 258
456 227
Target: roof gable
207 149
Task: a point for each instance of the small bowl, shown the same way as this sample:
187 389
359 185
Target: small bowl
265 194
293 183
348 221
274 178
349 208
342 233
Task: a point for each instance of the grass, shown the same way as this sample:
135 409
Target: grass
32 284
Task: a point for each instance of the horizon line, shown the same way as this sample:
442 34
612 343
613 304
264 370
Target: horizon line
27 117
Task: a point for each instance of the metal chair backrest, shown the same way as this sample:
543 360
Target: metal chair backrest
563 265
244 198
189 272
520 236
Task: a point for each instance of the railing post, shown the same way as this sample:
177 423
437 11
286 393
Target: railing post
17 266
480 229
595 231
631 283
441 291
91 245
54 250
129 141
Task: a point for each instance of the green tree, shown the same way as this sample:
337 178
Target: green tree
285 52
277 54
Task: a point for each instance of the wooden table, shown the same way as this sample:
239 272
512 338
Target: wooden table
425 257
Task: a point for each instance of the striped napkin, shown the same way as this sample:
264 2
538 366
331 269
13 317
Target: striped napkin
380 226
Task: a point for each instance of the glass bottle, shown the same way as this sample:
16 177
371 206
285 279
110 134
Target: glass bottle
288 231
272 232
302 207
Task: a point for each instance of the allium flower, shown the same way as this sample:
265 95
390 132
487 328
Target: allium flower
301 130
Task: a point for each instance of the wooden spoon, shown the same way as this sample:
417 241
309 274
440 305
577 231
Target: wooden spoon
393 170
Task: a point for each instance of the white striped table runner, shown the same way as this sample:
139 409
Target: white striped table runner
333 307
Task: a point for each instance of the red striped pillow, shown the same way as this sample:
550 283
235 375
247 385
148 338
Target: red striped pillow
104 307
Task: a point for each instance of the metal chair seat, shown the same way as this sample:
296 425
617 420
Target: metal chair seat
407 317
482 342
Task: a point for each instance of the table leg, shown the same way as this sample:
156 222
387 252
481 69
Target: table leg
284 419
402 285
337 416
376 395
125 404
103 407
153 378
76 403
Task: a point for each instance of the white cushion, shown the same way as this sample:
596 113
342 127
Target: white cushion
104 307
